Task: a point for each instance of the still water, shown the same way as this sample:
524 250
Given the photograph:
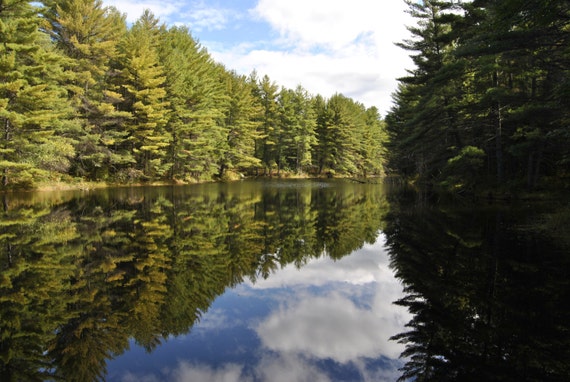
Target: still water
294 280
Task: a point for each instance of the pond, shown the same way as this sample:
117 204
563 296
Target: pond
296 280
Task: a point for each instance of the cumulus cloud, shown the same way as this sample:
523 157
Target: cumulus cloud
187 372
288 367
327 46
330 46
329 23
331 327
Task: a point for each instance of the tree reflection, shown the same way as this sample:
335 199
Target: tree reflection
81 276
488 297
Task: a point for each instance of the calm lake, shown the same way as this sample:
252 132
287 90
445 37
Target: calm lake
297 280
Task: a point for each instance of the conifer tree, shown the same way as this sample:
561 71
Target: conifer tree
374 140
424 125
33 108
241 123
298 123
142 84
322 151
520 64
267 93
88 34
195 93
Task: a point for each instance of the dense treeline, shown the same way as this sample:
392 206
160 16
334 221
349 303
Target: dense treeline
85 96
487 102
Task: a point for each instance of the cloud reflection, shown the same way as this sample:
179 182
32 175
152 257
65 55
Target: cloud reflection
338 325
370 264
331 327
187 372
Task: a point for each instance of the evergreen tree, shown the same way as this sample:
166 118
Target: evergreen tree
485 99
298 121
142 84
344 129
269 128
241 123
520 67
322 151
33 108
196 98
374 142
88 34
426 124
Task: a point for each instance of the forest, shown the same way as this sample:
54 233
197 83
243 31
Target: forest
487 104
85 96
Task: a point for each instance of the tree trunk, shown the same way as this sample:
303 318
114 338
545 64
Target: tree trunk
498 133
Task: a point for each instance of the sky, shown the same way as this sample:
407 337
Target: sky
326 46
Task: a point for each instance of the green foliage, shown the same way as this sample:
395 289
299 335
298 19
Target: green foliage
84 95
32 101
87 33
490 75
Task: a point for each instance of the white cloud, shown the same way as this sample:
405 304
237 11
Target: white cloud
286 368
204 17
332 327
327 46
370 264
134 8
331 23
187 372
330 46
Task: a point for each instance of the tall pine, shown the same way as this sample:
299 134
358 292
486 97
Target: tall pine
88 33
33 107
142 82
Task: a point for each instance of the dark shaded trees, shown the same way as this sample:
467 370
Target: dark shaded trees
484 104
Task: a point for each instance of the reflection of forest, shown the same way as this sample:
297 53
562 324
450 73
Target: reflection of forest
488 293
80 276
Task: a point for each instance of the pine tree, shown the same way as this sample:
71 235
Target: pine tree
424 125
298 122
374 142
520 64
33 108
322 151
88 34
269 128
195 93
142 84
241 123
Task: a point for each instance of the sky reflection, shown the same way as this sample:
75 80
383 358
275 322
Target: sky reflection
330 320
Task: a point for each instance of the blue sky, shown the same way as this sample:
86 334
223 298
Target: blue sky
327 46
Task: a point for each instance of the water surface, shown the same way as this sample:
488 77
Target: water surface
297 280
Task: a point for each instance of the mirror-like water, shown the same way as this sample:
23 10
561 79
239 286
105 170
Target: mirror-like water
276 281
